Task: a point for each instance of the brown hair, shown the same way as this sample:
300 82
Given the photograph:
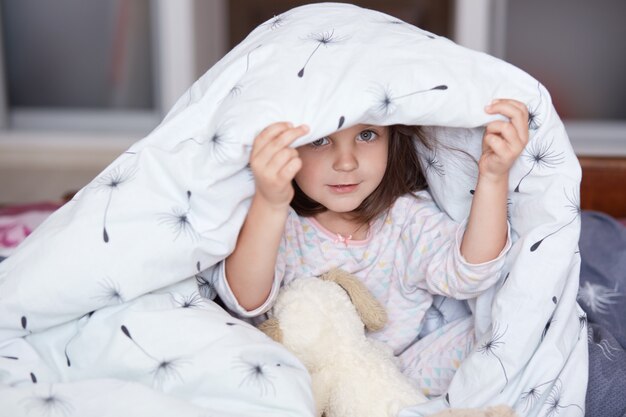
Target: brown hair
403 175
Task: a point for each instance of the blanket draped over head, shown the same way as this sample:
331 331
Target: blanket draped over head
105 309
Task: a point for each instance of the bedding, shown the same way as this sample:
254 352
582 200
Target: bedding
602 296
607 374
603 272
105 309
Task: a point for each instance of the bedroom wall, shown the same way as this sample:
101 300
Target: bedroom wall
45 162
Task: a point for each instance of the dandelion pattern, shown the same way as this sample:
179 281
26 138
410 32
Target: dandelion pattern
112 182
506 277
341 122
178 221
110 292
541 155
276 22
530 397
491 345
321 38
534 118
48 405
597 298
386 102
550 320
433 164
13 358
237 88
193 300
164 369
573 206
218 144
65 351
555 402
250 174
606 348
234 91
412 28
547 327
257 375
205 287
582 321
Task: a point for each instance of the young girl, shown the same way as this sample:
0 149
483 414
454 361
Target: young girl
357 200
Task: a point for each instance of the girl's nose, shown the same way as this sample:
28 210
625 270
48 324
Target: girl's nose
345 160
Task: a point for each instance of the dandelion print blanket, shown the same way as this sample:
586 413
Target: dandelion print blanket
105 309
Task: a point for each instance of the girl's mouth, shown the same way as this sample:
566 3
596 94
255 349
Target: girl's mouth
343 188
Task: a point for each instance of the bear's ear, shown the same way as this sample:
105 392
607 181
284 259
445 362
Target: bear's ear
369 309
271 327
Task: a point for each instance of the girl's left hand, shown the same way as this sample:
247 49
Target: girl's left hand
503 141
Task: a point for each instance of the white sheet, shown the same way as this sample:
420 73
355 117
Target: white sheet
172 205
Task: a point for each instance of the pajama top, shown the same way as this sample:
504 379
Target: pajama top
410 253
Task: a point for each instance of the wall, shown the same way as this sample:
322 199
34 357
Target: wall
44 164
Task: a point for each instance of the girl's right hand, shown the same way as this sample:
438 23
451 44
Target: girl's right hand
274 163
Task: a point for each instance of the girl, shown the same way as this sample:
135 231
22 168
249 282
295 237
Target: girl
357 200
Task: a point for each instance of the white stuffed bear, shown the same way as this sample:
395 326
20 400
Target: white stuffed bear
322 321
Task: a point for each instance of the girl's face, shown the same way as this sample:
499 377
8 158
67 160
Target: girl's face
339 171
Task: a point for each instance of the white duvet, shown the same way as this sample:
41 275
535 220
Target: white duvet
104 310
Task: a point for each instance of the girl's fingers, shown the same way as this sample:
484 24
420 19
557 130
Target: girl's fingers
516 111
502 104
267 135
285 139
280 159
521 106
497 145
289 171
507 133
276 143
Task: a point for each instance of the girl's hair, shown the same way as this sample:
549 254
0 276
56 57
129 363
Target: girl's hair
403 175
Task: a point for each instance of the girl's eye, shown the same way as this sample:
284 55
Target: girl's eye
319 142
368 135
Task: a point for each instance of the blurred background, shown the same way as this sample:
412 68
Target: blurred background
82 80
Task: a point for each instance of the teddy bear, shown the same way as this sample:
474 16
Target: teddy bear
322 320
